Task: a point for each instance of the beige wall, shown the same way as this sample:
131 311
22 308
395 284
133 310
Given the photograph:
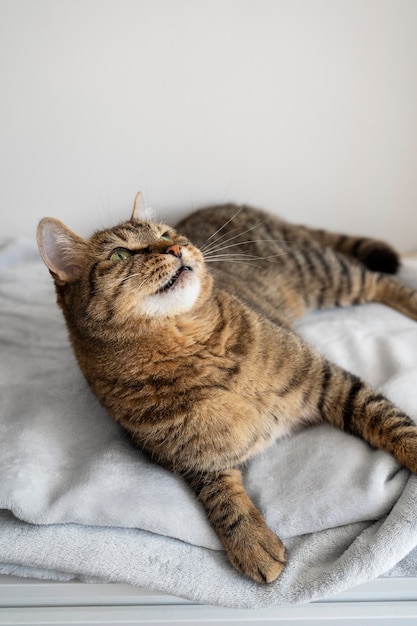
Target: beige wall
305 107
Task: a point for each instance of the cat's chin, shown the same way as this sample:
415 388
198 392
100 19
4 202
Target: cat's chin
180 297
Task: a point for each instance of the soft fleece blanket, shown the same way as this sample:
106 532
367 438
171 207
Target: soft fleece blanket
79 501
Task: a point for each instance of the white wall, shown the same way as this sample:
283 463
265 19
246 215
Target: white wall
305 107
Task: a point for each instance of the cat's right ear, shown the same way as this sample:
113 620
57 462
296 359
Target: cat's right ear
61 250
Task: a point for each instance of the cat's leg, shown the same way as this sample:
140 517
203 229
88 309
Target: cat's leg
366 286
395 294
375 254
348 403
319 391
251 546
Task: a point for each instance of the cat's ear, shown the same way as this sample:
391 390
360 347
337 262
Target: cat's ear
61 250
138 206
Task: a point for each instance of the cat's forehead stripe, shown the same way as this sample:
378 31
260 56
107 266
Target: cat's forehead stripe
129 232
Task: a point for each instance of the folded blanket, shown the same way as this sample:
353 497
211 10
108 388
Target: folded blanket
79 501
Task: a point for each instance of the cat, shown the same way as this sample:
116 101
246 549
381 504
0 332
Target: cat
202 367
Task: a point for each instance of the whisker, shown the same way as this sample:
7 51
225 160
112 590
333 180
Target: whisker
130 276
242 261
219 239
215 243
239 243
221 245
223 226
243 255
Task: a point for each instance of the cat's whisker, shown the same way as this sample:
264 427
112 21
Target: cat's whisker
131 276
247 259
233 261
240 243
225 252
140 285
239 234
223 226
243 255
220 245
219 240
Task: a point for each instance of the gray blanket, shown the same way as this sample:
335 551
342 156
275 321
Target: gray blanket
79 501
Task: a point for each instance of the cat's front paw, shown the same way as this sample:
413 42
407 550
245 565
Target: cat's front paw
261 556
251 546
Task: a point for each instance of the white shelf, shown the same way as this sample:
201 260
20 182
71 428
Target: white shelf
29 602
358 614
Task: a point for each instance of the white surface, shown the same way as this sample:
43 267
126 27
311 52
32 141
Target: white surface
371 614
386 602
304 108
31 592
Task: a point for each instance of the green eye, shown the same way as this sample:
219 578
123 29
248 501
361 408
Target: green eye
165 237
120 254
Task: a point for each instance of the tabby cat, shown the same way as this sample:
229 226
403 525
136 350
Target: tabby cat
201 367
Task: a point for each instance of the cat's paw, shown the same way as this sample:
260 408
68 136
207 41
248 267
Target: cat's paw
400 439
406 453
261 556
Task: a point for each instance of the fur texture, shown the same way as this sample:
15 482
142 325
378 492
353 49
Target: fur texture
202 367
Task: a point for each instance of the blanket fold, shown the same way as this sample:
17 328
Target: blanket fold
78 500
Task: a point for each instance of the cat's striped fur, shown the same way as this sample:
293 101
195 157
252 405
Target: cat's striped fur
202 367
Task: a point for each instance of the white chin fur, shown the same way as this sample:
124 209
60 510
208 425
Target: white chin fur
179 299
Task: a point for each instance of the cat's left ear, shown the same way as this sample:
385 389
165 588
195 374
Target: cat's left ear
61 250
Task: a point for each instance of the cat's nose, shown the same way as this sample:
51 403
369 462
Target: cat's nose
175 250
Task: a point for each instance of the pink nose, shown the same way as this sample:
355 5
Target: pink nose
174 249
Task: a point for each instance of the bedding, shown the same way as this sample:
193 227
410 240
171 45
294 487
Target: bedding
78 501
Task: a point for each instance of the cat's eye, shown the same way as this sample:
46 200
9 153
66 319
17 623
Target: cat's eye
165 237
120 254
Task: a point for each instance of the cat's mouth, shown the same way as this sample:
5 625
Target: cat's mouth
174 278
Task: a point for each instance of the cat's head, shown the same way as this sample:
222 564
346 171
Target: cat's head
138 269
